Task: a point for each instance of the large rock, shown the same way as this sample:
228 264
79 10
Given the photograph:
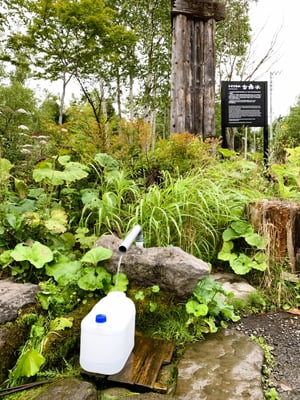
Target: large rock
226 366
69 389
235 284
171 268
13 297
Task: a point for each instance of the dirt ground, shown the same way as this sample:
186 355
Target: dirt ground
281 331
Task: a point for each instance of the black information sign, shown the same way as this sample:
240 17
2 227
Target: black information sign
244 104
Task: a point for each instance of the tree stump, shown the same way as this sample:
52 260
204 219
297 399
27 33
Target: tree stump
279 222
193 66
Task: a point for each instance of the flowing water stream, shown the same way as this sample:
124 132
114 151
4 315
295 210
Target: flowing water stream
118 270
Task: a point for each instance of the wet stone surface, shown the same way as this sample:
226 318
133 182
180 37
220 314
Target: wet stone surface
281 331
227 365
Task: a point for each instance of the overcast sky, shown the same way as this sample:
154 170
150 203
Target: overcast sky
268 19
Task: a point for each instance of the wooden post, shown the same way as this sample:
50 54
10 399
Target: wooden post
193 66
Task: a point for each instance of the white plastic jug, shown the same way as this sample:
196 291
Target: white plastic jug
107 334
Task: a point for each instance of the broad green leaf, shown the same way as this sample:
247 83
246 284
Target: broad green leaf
37 331
69 240
59 324
229 234
28 364
5 167
242 227
226 152
65 272
96 254
12 220
64 160
21 188
225 253
45 172
256 240
211 322
195 308
106 161
6 258
37 254
241 265
259 266
120 281
58 221
260 257
94 278
75 171
90 198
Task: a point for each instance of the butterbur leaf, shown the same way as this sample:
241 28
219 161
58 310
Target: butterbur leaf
5 258
230 234
256 240
195 308
28 364
5 167
242 228
21 188
96 254
241 265
94 278
59 324
120 281
37 254
64 272
225 253
106 161
58 221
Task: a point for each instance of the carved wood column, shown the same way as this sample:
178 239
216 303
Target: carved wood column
193 66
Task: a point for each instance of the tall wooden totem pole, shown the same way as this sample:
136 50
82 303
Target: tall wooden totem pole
193 66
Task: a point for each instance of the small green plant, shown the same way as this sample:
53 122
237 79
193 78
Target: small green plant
208 307
31 358
270 392
239 236
287 174
148 297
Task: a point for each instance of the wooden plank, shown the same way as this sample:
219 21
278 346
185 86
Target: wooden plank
131 371
144 364
153 363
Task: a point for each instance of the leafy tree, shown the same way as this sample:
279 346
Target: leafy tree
16 122
66 39
286 133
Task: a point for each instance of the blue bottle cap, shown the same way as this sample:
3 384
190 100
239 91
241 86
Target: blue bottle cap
100 318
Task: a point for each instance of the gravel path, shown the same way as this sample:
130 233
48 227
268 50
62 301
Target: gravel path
281 331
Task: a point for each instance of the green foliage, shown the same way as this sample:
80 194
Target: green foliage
287 175
73 171
31 358
240 262
270 392
208 307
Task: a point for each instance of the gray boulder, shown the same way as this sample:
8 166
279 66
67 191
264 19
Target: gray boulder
171 268
69 389
13 297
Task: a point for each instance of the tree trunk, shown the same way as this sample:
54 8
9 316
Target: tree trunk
279 222
193 66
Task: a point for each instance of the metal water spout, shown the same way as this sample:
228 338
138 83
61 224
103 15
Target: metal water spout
135 235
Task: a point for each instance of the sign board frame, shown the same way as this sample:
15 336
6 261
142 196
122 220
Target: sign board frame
245 103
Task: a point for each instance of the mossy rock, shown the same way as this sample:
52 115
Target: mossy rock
64 344
12 336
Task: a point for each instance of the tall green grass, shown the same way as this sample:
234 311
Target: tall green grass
192 211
